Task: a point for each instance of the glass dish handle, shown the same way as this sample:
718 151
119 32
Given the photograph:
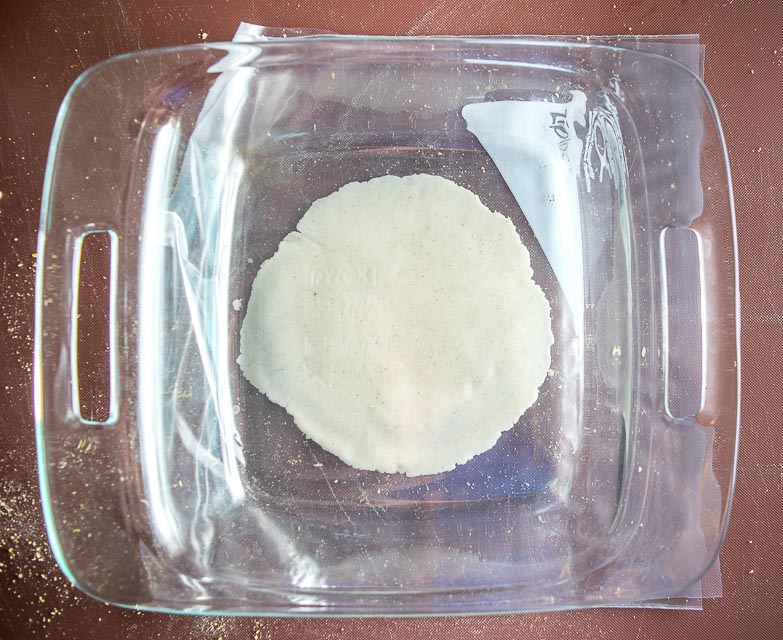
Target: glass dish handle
83 461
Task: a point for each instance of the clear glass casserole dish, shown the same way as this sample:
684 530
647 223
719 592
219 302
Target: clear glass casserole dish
193 492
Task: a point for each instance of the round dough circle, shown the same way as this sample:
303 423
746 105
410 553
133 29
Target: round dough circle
399 325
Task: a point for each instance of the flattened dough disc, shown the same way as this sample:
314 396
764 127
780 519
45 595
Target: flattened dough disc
399 325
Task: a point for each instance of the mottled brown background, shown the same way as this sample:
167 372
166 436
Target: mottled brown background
44 45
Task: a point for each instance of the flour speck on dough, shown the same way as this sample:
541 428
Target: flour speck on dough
399 325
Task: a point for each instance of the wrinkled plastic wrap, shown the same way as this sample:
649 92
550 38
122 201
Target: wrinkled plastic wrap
230 91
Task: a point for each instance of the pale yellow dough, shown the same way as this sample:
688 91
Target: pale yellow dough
399 325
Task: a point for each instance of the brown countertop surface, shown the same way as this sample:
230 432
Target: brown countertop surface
45 44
